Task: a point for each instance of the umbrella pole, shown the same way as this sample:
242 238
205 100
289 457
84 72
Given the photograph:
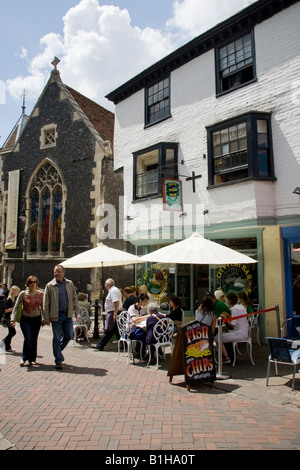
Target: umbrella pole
96 326
219 375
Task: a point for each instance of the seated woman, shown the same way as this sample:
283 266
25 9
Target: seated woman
83 302
153 318
241 325
205 313
175 312
245 301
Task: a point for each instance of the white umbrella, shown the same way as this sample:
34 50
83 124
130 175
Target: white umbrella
100 257
197 250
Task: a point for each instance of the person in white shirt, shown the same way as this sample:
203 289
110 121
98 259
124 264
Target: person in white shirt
135 317
113 304
241 325
136 312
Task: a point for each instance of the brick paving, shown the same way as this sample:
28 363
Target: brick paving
96 403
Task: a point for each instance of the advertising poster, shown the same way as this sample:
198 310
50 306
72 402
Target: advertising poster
12 210
198 357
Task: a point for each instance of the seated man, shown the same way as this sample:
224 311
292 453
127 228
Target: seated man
135 315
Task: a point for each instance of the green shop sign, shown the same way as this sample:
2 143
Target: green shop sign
172 195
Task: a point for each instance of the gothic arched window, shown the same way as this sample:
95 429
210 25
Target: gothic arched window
46 207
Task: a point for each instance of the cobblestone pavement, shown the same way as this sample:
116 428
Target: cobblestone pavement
98 403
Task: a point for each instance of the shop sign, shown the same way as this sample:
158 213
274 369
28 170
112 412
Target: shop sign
193 354
172 195
234 278
197 353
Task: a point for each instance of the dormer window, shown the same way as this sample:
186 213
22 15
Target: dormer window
235 63
157 102
48 136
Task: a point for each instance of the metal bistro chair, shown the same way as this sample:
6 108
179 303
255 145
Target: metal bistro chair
81 324
248 341
162 332
294 333
281 354
125 340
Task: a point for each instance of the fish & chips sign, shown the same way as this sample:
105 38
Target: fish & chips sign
198 353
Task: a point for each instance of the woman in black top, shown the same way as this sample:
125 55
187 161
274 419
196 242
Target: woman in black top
175 312
9 304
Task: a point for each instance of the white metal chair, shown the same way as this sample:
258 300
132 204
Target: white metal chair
162 332
81 324
248 341
125 340
281 354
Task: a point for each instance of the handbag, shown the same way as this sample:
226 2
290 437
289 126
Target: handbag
5 321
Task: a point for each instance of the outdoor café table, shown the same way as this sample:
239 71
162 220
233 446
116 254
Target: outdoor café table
142 324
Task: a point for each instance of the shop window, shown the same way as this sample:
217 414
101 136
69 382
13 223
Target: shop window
46 202
151 166
291 244
235 63
240 149
295 267
157 102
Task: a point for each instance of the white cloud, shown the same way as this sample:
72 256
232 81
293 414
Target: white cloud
194 17
100 49
23 54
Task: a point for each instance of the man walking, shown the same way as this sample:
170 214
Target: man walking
60 302
113 304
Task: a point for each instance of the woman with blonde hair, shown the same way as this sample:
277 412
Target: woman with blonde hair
31 302
9 304
143 289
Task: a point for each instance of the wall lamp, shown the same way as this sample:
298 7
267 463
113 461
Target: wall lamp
297 191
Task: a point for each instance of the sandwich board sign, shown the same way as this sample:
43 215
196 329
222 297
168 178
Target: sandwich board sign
193 354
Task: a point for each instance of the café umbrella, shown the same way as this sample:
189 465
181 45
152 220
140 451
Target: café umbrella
100 257
197 250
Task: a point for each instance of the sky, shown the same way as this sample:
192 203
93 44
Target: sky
101 44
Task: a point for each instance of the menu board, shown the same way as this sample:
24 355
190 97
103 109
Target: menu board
193 354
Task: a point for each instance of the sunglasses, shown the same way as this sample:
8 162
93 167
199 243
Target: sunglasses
32 282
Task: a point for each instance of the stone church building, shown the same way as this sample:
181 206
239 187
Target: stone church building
56 179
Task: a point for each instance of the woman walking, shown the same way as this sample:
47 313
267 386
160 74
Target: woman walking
31 301
9 304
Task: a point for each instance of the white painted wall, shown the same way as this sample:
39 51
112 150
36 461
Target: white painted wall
194 106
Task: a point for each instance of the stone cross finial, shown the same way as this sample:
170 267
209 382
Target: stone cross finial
55 62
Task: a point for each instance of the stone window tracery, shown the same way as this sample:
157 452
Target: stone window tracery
46 202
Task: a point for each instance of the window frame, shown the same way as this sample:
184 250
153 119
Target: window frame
44 130
218 78
253 146
162 148
167 115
